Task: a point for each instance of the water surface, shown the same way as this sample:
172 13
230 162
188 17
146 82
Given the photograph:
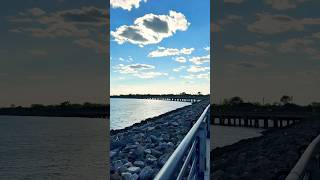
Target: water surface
223 135
126 112
52 148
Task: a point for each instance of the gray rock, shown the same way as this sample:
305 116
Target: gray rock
174 124
146 173
113 154
126 176
134 169
154 139
163 159
150 128
123 169
117 164
135 176
150 158
147 151
139 164
156 153
128 164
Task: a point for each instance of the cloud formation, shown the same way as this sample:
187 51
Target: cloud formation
181 59
273 24
178 69
200 59
284 4
132 68
258 48
82 24
151 29
138 70
195 69
162 52
125 4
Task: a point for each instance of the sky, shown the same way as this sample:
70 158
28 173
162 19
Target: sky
159 47
266 49
53 51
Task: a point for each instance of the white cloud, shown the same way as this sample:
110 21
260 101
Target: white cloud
195 69
300 45
272 24
162 52
197 76
178 69
151 29
284 4
254 49
200 59
207 48
125 4
138 70
149 75
181 59
132 68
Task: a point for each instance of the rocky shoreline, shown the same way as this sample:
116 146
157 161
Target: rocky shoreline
139 151
267 157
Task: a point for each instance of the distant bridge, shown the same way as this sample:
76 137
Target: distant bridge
257 120
182 98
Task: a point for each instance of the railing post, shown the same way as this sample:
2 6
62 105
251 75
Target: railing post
202 135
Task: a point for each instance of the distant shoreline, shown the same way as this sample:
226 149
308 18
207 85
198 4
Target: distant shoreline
65 109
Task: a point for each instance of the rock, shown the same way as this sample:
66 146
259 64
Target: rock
117 164
154 139
146 173
115 176
123 169
134 169
156 153
163 159
126 176
135 176
139 164
174 124
147 151
151 159
150 128
128 164
139 150
113 153
170 144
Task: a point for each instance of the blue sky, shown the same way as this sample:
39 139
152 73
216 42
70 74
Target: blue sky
53 51
266 49
159 47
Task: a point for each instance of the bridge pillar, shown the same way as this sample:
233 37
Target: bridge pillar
265 123
245 122
256 123
275 123
281 123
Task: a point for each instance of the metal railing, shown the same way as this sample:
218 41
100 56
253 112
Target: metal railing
308 166
192 155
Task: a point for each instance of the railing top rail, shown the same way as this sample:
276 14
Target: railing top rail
170 166
299 169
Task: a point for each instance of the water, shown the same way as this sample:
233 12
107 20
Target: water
223 136
52 148
126 112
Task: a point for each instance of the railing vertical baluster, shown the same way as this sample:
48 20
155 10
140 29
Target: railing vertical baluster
202 148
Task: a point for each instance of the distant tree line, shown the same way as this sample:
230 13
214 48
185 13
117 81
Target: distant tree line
64 109
285 104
